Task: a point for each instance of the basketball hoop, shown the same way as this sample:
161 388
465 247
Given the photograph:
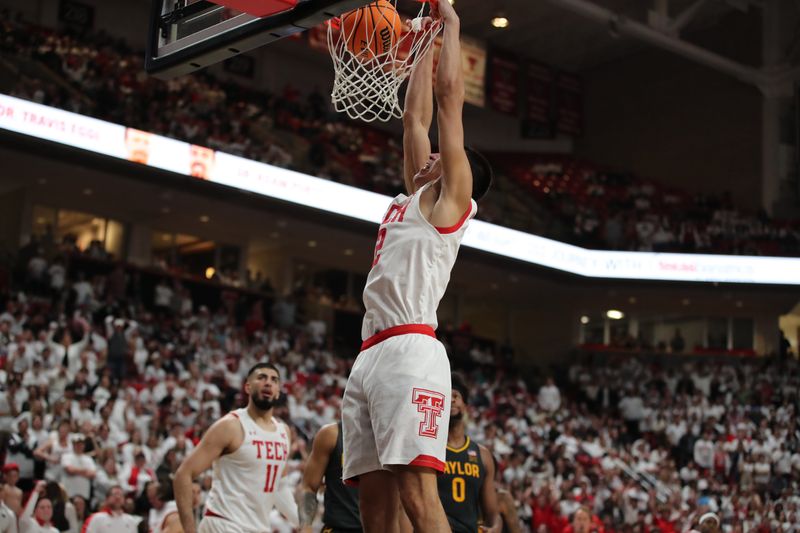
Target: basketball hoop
367 80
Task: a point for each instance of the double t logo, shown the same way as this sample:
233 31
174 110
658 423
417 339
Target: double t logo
431 404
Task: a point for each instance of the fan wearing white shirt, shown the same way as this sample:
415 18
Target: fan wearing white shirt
66 348
111 518
38 513
549 396
79 469
704 451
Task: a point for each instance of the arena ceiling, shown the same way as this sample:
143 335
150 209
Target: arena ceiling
544 30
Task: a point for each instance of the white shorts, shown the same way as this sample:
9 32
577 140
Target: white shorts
214 524
396 406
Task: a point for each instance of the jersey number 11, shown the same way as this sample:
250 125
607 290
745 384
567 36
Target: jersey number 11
272 474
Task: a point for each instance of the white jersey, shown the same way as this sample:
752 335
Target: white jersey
244 482
157 517
411 266
106 521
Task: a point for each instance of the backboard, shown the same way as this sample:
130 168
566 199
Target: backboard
187 35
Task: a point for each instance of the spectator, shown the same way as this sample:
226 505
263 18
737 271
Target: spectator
8 518
12 495
549 396
38 513
79 469
704 453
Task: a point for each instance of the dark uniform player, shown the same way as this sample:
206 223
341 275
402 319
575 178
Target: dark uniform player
341 502
466 487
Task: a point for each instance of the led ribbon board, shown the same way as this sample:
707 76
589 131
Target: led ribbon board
97 136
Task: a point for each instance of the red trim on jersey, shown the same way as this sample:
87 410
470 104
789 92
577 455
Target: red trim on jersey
352 482
234 414
406 329
212 514
453 229
428 461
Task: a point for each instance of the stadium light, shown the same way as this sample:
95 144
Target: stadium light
614 314
500 21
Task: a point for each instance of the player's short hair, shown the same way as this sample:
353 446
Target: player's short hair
482 174
458 384
263 364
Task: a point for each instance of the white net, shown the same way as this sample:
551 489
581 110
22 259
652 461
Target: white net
366 83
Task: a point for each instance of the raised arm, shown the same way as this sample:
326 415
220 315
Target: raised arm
214 443
456 192
321 449
417 118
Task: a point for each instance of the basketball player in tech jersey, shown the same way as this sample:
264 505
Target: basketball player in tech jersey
248 449
341 502
467 486
396 405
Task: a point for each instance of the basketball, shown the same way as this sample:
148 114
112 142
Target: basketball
372 30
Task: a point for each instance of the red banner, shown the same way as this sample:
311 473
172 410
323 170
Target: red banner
538 118
569 104
504 83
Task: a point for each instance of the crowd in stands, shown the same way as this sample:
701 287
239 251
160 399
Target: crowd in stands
105 78
616 211
107 381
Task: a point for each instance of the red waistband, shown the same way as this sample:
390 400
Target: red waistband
212 514
406 329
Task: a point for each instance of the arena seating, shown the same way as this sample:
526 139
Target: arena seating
646 445
570 200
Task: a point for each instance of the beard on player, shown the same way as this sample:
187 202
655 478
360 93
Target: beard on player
261 402
455 418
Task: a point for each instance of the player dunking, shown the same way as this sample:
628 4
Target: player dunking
249 450
397 402
341 502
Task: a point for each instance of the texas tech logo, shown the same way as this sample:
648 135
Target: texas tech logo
431 404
